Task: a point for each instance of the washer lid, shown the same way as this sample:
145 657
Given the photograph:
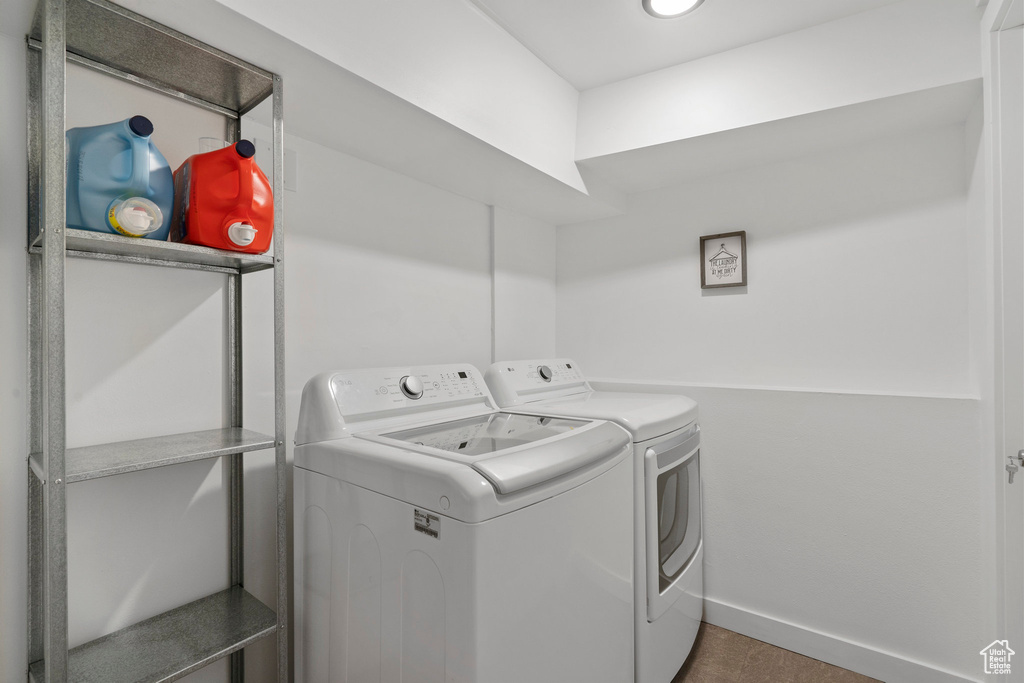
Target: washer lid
645 416
513 451
486 434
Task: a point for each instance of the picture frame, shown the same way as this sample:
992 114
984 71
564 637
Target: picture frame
723 260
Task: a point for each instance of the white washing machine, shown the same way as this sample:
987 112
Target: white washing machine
439 540
669 552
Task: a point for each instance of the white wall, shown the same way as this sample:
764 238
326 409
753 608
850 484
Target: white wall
827 531
983 347
13 362
857 272
844 456
381 269
524 287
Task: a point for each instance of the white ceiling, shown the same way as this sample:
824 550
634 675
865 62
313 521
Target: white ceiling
594 42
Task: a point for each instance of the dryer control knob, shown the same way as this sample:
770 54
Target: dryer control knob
545 373
411 386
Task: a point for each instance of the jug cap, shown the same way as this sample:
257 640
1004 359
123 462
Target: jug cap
141 126
242 234
135 216
245 149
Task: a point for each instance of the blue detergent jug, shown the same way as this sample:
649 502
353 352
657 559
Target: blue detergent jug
118 181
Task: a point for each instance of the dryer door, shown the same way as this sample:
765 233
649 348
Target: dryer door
673 511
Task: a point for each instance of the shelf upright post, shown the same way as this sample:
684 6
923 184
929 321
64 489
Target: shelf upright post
234 462
236 486
49 380
35 363
280 451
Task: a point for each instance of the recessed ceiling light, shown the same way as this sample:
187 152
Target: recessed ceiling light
670 9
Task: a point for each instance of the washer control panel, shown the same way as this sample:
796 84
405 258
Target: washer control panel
383 389
337 404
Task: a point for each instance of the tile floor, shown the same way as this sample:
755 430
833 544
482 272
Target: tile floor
721 656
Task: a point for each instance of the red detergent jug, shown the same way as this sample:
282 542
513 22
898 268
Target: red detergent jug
223 200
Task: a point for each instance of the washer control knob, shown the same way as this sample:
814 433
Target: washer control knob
411 386
545 373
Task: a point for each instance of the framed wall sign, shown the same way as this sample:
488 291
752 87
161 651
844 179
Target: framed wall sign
723 260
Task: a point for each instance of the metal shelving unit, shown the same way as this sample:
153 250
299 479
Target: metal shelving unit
182 640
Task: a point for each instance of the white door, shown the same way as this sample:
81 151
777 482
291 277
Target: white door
1005 109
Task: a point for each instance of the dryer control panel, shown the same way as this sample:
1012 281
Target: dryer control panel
524 381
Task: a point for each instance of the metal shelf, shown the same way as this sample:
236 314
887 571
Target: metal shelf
173 644
171 62
110 247
105 460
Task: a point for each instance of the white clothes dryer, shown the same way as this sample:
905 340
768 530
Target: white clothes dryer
439 540
668 545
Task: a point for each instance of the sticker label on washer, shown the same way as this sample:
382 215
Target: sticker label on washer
426 523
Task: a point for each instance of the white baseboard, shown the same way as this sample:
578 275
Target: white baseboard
853 656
